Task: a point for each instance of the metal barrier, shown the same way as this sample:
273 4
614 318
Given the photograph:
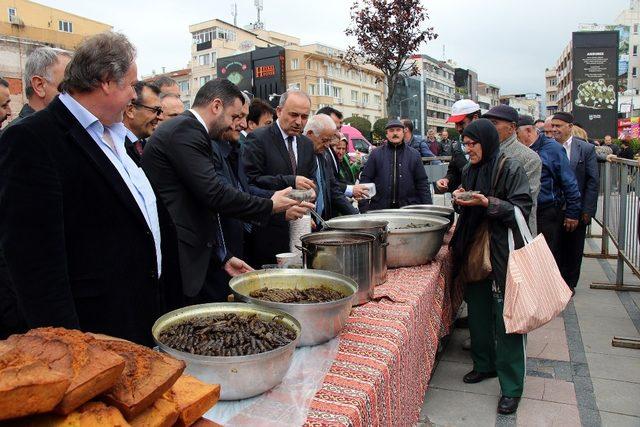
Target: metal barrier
618 209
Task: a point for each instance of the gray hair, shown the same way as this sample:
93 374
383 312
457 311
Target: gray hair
39 63
218 88
285 96
247 100
103 57
318 123
163 81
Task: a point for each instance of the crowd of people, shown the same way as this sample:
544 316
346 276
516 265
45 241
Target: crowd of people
116 205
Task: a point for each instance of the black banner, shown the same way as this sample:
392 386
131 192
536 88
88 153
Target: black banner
238 70
595 82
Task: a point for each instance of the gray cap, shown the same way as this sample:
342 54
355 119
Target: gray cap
394 123
525 120
502 112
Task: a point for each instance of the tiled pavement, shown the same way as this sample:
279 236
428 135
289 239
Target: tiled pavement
574 376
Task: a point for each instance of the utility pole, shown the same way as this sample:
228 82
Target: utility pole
234 13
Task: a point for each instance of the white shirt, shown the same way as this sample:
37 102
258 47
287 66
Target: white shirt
567 147
295 141
133 176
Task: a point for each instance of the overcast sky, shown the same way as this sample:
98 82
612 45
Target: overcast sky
508 42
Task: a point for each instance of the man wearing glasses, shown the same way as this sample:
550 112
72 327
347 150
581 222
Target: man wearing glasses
141 117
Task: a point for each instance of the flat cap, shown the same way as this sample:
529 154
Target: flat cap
502 112
394 123
525 120
565 117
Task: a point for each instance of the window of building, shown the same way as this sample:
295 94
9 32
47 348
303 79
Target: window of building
204 79
308 64
325 87
12 13
295 86
354 96
377 99
212 34
184 86
365 98
635 28
295 64
635 50
311 88
337 92
65 26
634 72
204 59
186 104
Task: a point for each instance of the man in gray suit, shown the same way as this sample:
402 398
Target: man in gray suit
505 119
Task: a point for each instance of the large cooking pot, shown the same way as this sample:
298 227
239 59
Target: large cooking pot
413 239
378 229
445 211
240 377
345 252
320 321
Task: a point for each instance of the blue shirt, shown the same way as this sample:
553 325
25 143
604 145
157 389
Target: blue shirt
558 183
133 176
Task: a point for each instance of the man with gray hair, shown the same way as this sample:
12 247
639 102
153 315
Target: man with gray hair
178 160
330 200
167 85
276 157
43 73
171 105
87 244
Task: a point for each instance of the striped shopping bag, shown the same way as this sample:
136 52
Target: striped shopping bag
535 292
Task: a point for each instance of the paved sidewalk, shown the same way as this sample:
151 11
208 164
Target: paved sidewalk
574 376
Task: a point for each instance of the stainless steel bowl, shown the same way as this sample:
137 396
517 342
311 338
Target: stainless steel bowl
409 247
239 377
445 211
320 322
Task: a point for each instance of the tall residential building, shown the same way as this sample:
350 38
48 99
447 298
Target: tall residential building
182 78
551 91
427 98
564 79
488 96
25 25
525 103
216 39
466 84
318 70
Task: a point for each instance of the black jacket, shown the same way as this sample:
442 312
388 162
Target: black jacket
265 160
331 160
411 183
178 159
584 164
78 249
335 202
456 164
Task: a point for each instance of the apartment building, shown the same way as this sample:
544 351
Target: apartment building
525 103
551 91
488 96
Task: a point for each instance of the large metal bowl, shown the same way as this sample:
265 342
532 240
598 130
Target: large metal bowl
320 322
409 247
239 377
445 211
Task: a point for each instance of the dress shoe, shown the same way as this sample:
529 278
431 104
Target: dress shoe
466 344
475 376
508 405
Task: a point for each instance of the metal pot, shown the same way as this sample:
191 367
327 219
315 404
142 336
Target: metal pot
445 211
415 245
239 377
320 321
378 229
345 252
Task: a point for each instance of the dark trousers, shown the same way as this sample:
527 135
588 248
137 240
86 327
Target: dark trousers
550 221
11 319
571 249
492 349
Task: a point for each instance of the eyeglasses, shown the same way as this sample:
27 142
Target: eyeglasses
469 144
157 110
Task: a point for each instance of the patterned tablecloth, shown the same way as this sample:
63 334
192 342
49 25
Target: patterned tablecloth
388 348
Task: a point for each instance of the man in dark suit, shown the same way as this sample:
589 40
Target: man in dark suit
330 200
582 158
87 243
278 157
142 116
178 160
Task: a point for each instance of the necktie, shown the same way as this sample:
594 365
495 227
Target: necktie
292 156
320 195
138 146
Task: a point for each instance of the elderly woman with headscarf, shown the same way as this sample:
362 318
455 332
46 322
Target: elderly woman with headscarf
501 185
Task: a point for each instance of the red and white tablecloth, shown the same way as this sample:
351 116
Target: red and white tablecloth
387 350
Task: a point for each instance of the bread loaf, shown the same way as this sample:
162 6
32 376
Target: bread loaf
203 422
147 375
162 413
91 414
27 385
90 369
194 398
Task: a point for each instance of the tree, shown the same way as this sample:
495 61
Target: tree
379 129
360 123
387 33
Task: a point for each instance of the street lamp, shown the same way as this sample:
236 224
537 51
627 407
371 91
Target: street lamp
403 100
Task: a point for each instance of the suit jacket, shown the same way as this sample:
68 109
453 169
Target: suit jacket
584 164
265 160
335 202
178 159
78 249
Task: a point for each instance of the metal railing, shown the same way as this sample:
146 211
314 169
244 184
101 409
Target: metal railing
618 209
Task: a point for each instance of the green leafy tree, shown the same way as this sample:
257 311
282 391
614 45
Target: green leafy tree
378 129
360 123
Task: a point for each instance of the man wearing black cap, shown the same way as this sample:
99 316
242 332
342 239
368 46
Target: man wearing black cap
582 158
397 172
505 119
559 197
